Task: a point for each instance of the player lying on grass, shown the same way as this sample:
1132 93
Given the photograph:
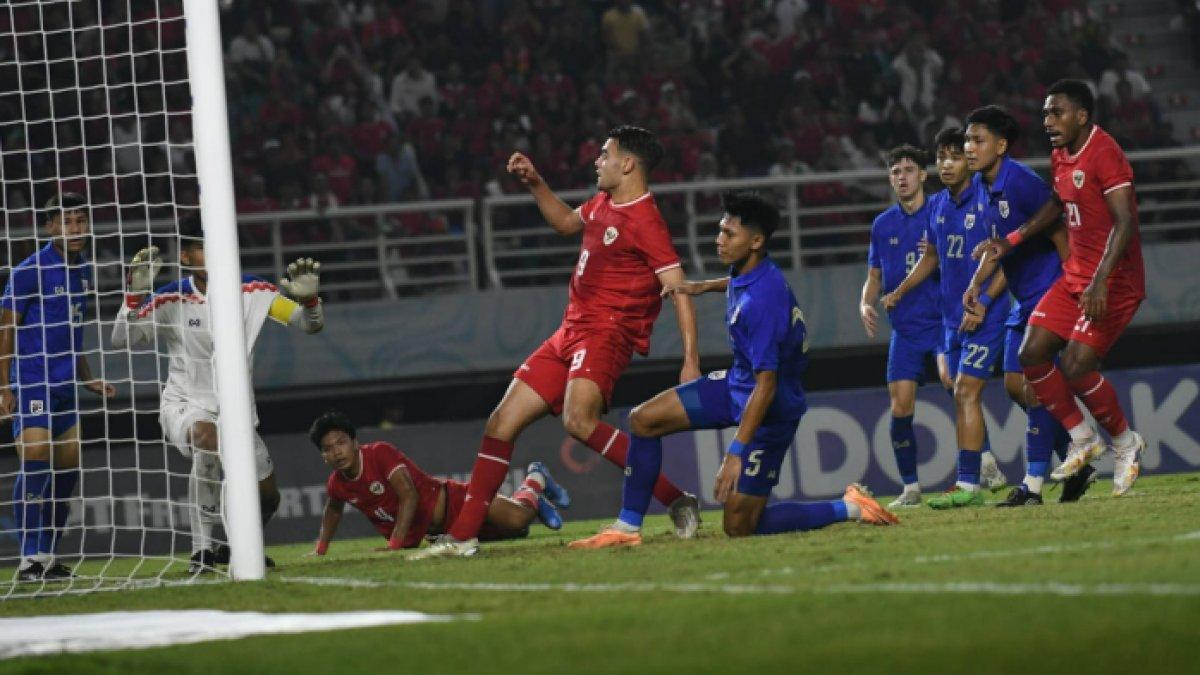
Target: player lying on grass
176 317
404 503
761 395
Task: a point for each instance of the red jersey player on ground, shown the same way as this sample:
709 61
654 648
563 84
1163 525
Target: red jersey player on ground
625 261
404 503
1102 285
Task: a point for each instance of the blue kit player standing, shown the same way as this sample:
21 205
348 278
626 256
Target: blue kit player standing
896 237
760 394
972 340
1010 194
41 337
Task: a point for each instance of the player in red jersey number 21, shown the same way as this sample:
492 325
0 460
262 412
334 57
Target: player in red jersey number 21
1102 285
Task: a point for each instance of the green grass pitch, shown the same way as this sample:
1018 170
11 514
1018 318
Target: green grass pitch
1104 585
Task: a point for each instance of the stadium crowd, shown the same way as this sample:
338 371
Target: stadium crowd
426 99
379 101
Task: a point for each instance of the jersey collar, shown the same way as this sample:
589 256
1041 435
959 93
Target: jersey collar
51 255
1006 168
967 196
747 279
1091 135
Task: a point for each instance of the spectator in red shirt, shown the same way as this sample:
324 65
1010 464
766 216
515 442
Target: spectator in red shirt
337 168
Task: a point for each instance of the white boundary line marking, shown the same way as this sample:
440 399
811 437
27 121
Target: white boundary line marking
1052 588
995 588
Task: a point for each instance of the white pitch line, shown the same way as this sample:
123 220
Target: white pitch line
920 588
568 587
996 588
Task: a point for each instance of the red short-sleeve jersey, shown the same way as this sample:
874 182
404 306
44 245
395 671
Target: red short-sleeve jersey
371 491
1082 181
625 247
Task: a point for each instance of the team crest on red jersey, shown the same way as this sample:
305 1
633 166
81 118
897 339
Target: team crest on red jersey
1077 178
376 487
610 235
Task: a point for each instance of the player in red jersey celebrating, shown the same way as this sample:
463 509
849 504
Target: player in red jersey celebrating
1102 285
625 261
404 503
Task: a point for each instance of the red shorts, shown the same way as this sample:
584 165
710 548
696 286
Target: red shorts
456 496
596 354
1058 312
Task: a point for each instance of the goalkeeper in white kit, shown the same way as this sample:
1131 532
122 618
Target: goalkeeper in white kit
177 316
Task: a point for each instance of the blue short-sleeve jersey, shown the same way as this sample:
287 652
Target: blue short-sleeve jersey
766 332
1016 195
894 250
51 297
956 226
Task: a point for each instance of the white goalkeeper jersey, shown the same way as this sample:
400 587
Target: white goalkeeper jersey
176 319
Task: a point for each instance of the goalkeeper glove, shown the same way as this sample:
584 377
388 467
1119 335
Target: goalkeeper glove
142 270
303 278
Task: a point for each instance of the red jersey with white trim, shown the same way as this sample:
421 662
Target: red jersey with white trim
1082 181
625 247
371 492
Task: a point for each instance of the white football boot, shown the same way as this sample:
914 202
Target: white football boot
1127 464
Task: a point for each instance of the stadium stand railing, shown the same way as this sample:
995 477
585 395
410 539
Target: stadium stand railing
370 252
827 217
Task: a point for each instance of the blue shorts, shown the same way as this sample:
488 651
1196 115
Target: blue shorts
975 353
41 406
1012 348
906 354
709 406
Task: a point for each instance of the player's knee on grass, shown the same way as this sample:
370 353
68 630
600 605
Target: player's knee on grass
741 514
507 515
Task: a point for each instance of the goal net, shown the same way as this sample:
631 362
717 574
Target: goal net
95 101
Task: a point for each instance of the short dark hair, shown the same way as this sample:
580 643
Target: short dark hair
753 210
907 151
330 420
1078 92
191 230
998 120
950 137
62 203
639 142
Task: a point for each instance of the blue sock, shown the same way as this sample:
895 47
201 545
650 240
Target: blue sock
904 444
800 516
968 466
30 494
1039 440
54 518
643 463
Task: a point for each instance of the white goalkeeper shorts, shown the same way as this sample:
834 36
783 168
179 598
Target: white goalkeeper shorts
177 420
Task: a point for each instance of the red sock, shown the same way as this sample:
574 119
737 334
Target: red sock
529 492
613 445
1053 391
1100 398
491 467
